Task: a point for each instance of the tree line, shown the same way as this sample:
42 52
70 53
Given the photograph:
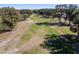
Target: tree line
9 16
69 12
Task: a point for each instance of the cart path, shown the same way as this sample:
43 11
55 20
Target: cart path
35 41
15 35
13 40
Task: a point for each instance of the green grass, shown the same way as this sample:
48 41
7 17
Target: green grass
28 34
40 19
64 30
47 30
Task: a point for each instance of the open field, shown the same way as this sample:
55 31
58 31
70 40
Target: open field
45 29
34 35
37 30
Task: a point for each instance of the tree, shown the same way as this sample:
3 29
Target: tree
9 17
60 10
71 8
75 23
25 13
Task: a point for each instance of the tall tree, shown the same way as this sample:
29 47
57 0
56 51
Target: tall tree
71 9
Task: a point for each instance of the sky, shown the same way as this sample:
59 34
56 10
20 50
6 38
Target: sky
29 6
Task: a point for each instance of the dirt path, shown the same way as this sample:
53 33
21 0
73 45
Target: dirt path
35 41
15 35
9 46
4 36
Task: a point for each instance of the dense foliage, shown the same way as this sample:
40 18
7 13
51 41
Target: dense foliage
9 16
25 13
61 44
67 12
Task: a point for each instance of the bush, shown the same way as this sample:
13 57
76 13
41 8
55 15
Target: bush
61 44
9 17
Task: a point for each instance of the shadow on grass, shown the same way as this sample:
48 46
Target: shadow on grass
52 24
61 44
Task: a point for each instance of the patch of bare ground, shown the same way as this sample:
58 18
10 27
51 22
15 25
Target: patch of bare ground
4 36
15 35
34 42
